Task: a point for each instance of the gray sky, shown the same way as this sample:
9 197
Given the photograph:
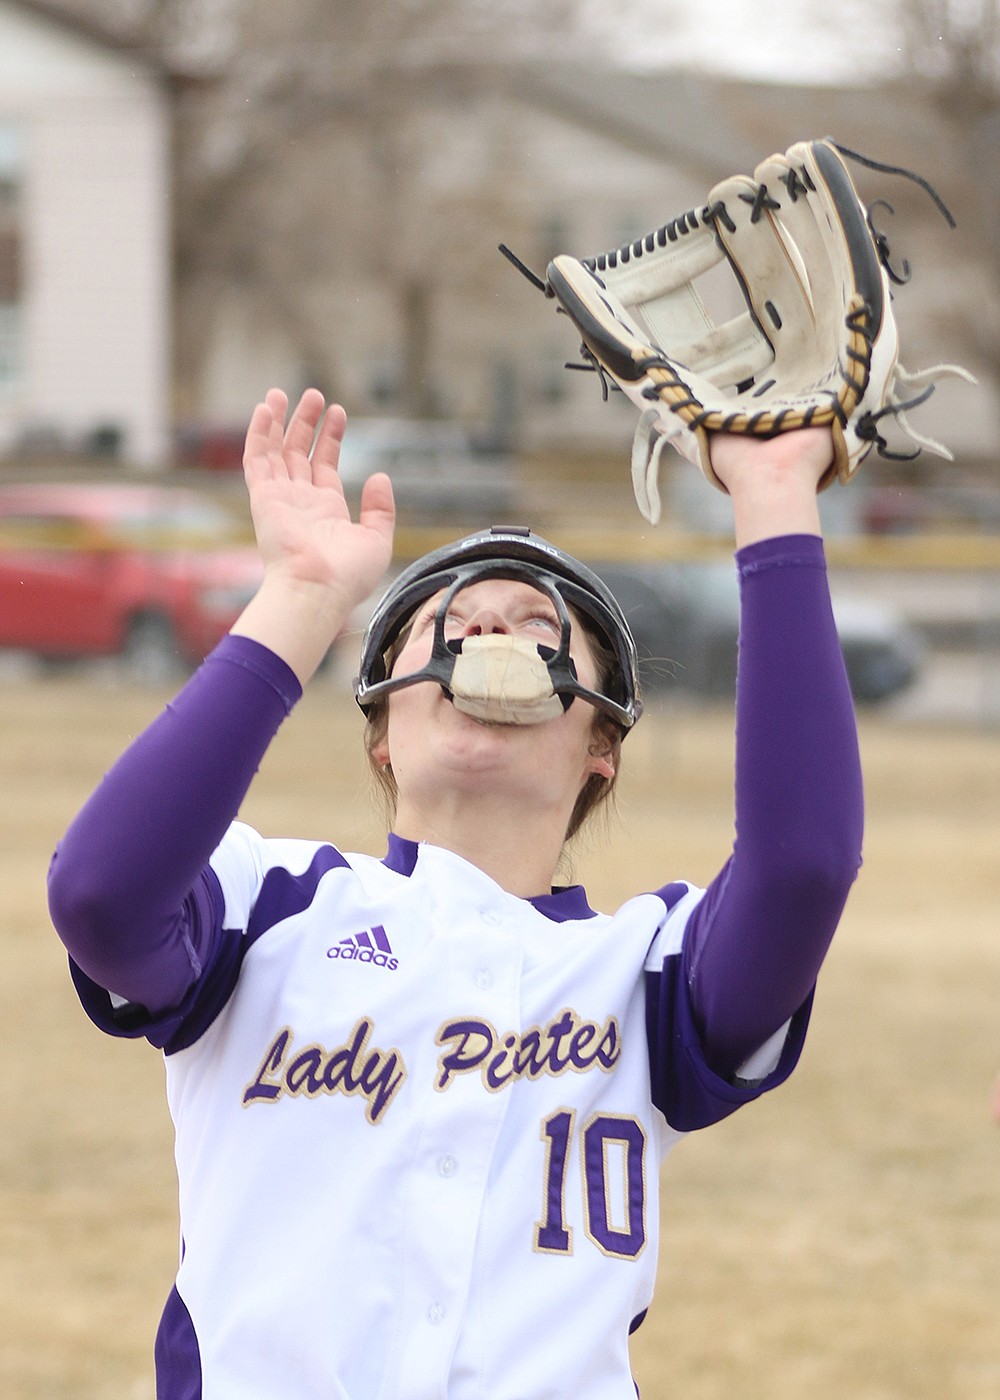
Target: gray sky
782 40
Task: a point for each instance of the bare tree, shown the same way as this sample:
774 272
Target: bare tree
955 46
311 137
950 54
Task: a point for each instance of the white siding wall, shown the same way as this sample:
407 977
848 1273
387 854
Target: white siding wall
96 238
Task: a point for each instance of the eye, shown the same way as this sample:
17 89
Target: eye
429 614
544 619
454 622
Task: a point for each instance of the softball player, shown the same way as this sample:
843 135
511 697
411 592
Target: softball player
421 1101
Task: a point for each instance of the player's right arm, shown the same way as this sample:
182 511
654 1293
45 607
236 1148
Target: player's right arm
128 892
318 562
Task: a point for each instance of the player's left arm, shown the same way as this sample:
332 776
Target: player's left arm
758 939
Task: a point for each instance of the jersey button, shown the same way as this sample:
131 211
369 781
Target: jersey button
447 1166
484 979
436 1313
491 917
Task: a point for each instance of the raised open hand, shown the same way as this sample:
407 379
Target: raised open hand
303 525
318 562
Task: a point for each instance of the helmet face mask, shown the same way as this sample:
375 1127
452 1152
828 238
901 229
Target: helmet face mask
514 553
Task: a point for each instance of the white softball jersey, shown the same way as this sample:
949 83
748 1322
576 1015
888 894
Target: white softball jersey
416 1140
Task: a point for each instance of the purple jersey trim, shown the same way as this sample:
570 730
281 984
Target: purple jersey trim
565 903
562 904
176 1354
673 893
685 1088
176 1027
283 894
401 855
123 883
132 1019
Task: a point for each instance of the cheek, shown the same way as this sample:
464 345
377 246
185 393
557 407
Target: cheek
413 657
586 670
409 715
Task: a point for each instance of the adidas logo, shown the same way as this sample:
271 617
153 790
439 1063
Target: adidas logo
372 946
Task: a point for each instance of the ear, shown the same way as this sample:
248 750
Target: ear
602 765
380 753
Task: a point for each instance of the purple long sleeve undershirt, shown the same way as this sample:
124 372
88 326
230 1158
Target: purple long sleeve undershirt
129 899
760 935
125 889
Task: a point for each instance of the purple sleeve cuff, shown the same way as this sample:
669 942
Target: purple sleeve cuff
781 551
261 662
124 879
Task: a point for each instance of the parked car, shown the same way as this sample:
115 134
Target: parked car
438 472
153 574
686 619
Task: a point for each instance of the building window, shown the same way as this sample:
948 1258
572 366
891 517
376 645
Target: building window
11 253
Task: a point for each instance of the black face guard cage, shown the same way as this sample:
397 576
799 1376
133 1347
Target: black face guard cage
503 553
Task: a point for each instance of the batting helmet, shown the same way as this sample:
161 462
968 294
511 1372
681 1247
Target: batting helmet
511 552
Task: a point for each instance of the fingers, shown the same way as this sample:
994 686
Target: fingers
277 402
274 451
326 451
299 434
301 431
378 508
264 437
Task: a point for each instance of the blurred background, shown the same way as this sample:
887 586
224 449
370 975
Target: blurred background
200 198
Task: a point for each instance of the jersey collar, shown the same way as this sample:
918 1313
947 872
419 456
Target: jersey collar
562 904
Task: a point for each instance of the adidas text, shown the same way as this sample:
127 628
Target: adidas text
353 953
372 946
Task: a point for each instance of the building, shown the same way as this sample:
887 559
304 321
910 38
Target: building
359 252
84 240
340 226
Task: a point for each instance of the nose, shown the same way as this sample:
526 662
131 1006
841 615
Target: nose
485 622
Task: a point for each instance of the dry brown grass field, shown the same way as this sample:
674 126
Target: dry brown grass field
841 1239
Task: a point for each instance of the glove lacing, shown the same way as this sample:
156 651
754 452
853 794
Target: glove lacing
648 444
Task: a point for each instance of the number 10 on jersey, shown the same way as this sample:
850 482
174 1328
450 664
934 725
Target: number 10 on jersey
613 1153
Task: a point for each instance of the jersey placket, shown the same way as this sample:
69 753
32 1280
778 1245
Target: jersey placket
461 1124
